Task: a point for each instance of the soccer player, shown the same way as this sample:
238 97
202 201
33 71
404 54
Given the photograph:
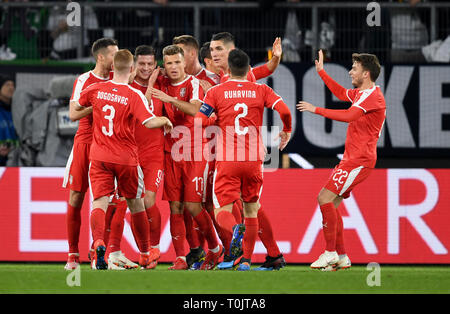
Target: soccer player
76 175
365 119
114 154
184 169
220 46
206 59
150 144
191 48
222 43
239 106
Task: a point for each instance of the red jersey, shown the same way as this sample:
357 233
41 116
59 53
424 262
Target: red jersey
148 139
363 133
84 132
187 90
253 75
239 107
208 76
116 107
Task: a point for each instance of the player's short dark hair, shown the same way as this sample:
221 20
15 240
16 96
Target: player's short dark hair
238 61
144 50
225 37
172 50
186 40
205 52
369 62
102 43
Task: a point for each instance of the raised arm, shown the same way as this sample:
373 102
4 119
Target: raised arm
339 91
268 68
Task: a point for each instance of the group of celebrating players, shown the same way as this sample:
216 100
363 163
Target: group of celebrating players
138 125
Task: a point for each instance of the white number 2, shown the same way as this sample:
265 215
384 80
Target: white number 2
244 113
110 118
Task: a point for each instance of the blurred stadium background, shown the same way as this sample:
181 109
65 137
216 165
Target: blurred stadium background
399 215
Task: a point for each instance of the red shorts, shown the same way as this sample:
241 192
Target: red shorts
102 176
152 164
183 180
345 176
236 179
76 177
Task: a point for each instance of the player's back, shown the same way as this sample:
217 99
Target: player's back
239 107
115 107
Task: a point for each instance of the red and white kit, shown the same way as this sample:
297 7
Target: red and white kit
239 107
150 144
114 153
180 162
360 154
77 167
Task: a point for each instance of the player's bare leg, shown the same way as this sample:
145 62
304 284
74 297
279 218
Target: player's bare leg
73 221
154 218
205 224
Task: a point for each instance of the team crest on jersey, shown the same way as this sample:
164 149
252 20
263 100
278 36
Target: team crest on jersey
183 91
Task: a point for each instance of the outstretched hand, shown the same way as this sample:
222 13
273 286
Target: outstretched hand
277 49
319 63
306 106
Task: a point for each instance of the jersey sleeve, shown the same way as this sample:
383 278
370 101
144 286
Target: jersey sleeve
339 91
196 90
270 97
368 101
261 71
142 109
77 88
209 104
84 97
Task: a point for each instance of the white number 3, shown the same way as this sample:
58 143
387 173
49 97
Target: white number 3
110 118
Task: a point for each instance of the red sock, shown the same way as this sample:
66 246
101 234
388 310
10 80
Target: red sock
206 228
178 232
251 232
117 223
237 211
226 221
154 219
340 249
201 237
108 217
140 222
73 220
97 224
225 237
191 233
329 221
266 234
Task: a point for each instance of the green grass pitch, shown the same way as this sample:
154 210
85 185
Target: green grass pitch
294 279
